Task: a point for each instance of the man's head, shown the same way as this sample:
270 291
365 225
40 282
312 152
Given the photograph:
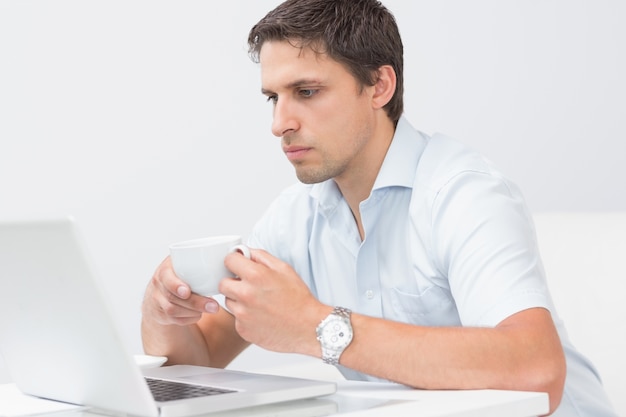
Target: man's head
362 35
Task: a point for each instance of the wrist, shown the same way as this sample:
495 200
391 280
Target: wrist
310 345
334 334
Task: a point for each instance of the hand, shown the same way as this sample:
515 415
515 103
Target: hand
273 308
169 300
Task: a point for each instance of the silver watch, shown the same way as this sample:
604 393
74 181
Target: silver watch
334 334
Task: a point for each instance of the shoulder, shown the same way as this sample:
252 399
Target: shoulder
449 168
457 191
444 158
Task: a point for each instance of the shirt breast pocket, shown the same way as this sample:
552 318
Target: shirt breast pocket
433 307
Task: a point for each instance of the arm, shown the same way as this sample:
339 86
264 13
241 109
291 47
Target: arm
186 327
275 310
523 352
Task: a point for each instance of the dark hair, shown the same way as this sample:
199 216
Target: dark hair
360 34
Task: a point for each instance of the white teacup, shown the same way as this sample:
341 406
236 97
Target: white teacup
200 262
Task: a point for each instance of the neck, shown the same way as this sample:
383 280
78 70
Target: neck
356 185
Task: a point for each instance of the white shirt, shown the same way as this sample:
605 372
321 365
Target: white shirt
448 242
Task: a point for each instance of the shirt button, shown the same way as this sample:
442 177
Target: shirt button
369 294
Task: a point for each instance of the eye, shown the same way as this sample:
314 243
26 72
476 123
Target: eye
272 98
307 92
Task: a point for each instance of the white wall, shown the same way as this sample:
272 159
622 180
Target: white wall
144 119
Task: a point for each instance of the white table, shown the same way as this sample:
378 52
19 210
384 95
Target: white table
351 400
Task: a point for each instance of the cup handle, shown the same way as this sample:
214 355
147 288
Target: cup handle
242 249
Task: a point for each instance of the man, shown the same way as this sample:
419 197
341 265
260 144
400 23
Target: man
419 254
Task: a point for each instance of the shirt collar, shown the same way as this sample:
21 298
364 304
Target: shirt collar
398 168
403 155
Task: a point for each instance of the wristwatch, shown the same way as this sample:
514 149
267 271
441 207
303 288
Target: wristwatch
334 334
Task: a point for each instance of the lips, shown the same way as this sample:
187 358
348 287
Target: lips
295 152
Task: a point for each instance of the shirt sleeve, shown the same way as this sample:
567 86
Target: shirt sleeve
484 241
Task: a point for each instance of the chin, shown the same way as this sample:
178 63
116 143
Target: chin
307 178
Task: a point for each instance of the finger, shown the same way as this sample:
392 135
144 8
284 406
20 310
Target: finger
267 261
238 264
242 266
229 303
184 312
170 282
160 308
195 304
264 258
229 288
174 296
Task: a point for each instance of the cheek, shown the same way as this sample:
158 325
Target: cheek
342 126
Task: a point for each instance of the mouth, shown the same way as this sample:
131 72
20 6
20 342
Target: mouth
294 153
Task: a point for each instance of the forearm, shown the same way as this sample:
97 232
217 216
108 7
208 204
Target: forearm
180 344
510 356
210 342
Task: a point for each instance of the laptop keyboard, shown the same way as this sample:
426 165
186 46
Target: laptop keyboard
170 390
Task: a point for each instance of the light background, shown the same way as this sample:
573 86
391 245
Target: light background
144 119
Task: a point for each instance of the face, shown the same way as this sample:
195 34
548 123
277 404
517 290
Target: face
324 117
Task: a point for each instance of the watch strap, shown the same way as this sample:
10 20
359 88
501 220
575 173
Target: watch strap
342 312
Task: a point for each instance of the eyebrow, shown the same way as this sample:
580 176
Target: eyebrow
295 84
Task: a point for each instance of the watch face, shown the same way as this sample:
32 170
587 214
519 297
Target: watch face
336 334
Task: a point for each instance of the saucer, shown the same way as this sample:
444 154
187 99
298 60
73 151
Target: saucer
147 361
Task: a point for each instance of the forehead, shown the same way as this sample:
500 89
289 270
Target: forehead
282 62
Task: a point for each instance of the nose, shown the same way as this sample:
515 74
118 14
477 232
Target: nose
284 120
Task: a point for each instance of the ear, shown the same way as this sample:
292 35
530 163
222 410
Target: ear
385 86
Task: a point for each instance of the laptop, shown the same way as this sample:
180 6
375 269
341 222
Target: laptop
60 342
